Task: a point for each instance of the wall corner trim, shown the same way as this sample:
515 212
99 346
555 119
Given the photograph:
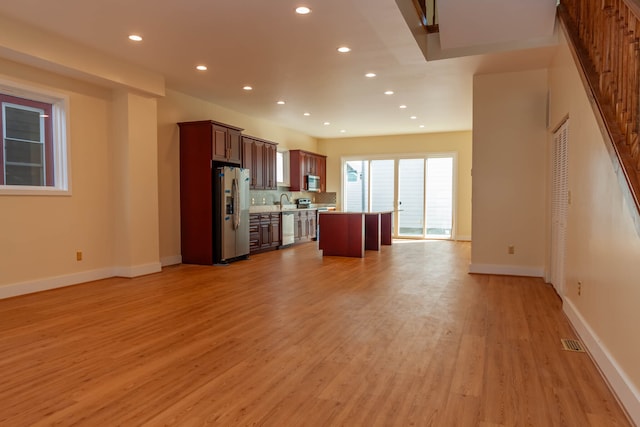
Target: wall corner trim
627 394
171 260
138 270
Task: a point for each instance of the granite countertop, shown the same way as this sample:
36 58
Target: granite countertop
285 208
356 212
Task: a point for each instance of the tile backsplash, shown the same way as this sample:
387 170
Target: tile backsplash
271 197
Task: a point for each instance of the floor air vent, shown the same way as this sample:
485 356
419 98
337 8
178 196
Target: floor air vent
572 345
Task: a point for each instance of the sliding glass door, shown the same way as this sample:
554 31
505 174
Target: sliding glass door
418 190
411 217
439 194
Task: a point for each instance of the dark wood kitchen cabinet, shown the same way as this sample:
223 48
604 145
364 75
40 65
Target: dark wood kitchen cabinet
259 156
224 139
264 231
270 166
303 163
304 225
201 143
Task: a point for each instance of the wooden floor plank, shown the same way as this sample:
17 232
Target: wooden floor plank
404 336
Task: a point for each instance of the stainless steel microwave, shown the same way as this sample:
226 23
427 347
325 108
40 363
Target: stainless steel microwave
313 183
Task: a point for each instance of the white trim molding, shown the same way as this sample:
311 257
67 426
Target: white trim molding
507 270
137 270
40 285
619 382
171 260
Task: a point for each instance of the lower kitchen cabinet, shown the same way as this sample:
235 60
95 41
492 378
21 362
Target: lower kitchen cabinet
264 231
305 225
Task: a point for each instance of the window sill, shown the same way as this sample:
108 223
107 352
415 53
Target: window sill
19 190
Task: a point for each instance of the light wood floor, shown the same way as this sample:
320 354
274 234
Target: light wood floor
404 337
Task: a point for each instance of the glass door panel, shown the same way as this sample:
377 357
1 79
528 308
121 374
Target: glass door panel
439 215
382 185
356 185
411 198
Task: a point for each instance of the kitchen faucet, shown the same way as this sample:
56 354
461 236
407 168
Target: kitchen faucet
285 195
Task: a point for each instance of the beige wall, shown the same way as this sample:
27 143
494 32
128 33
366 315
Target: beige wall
458 142
111 214
603 247
41 234
176 107
509 173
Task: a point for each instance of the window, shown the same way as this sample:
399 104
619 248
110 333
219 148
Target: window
32 137
27 143
282 168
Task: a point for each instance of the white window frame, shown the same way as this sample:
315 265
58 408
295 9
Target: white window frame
286 180
60 138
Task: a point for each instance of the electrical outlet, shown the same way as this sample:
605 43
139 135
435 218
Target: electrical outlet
579 288
511 249
79 256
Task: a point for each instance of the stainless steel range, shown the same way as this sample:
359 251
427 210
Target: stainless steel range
303 203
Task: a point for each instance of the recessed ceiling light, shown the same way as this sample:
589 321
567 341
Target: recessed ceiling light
307 114
413 117
403 106
343 130
280 102
326 123
303 10
421 126
344 49
135 38
389 92
370 75
201 68
247 88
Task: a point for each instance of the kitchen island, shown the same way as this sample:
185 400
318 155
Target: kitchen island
351 233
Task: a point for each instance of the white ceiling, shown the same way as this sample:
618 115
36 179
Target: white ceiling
292 57
465 23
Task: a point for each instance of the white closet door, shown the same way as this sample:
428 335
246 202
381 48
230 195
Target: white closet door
559 206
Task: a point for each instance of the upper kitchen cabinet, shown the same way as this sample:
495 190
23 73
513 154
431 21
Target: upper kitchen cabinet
224 140
303 163
259 156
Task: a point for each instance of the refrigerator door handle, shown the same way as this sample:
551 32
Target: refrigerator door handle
236 204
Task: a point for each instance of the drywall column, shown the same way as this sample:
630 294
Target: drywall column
135 184
509 173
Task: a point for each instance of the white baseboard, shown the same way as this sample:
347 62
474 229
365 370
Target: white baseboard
171 260
32 286
506 270
618 380
138 270
48 283
463 238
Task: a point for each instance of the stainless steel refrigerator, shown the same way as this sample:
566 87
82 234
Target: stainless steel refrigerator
231 213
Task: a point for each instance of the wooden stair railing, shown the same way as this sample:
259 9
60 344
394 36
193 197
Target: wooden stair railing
605 38
423 7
